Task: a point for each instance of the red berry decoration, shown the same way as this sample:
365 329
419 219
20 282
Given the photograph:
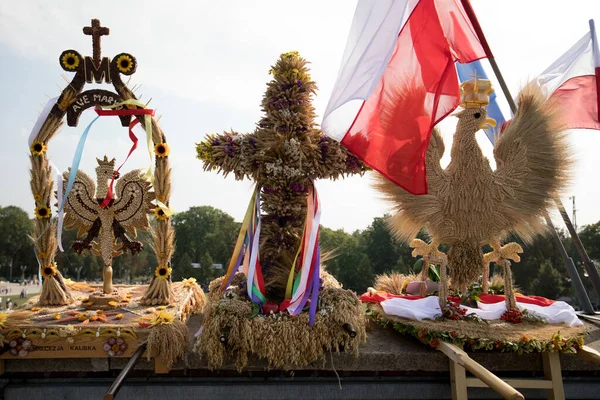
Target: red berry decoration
454 311
513 316
269 306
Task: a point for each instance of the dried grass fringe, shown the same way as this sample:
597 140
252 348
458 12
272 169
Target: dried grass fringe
53 292
168 341
159 292
284 341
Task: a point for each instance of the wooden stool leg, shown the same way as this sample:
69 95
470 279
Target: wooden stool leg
458 380
424 276
485 278
552 372
443 290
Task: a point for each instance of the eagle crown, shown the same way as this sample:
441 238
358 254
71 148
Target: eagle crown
105 169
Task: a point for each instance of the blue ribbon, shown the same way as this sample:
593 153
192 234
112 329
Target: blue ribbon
465 73
73 174
75 164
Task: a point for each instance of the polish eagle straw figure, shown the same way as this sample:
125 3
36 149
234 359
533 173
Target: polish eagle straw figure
125 213
469 204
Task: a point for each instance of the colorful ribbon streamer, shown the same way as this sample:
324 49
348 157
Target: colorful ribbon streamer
247 249
240 244
306 282
147 113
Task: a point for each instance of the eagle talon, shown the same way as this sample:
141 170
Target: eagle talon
79 246
134 246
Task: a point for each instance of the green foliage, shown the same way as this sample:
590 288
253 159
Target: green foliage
351 265
206 235
433 273
16 249
548 282
590 237
386 254
203 235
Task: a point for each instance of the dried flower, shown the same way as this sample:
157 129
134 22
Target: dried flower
70 61
124 63
162 272
42 212
162 150
49 271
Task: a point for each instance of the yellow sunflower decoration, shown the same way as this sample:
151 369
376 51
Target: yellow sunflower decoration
162 272
162 150
49 271
189 283
42 212
160 214
124 63
70 61
162 318
38 148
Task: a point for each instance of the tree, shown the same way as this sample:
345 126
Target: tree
350 264
549 282
590 237
16 249
385 253
183 269
204 233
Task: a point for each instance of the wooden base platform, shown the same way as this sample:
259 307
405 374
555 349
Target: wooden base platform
85 329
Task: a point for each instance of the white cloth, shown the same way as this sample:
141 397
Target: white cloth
428 308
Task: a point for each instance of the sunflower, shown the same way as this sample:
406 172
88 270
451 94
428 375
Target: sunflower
37 197
38 148
162 150
70 61
162 318
42 212
160 214
162 272
49 271
124 63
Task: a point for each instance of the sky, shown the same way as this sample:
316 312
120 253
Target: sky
204 67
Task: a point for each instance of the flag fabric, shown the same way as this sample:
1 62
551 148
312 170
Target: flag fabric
574 82
398 80
489 307
465 73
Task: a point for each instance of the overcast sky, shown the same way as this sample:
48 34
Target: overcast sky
205 66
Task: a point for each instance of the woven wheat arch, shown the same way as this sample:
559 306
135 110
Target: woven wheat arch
71 103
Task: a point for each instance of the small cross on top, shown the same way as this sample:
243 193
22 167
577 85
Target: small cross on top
96 31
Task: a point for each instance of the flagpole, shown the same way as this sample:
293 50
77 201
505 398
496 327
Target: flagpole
596 53
570 267
488 52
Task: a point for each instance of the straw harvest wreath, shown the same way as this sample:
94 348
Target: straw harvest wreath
72 102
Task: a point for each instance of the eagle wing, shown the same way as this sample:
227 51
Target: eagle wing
134 202
412 213
532 163
81 207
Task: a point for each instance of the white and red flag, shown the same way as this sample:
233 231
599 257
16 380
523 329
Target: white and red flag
398 80
574 81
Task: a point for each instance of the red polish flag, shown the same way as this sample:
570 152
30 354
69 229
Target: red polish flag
398 80
574 81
